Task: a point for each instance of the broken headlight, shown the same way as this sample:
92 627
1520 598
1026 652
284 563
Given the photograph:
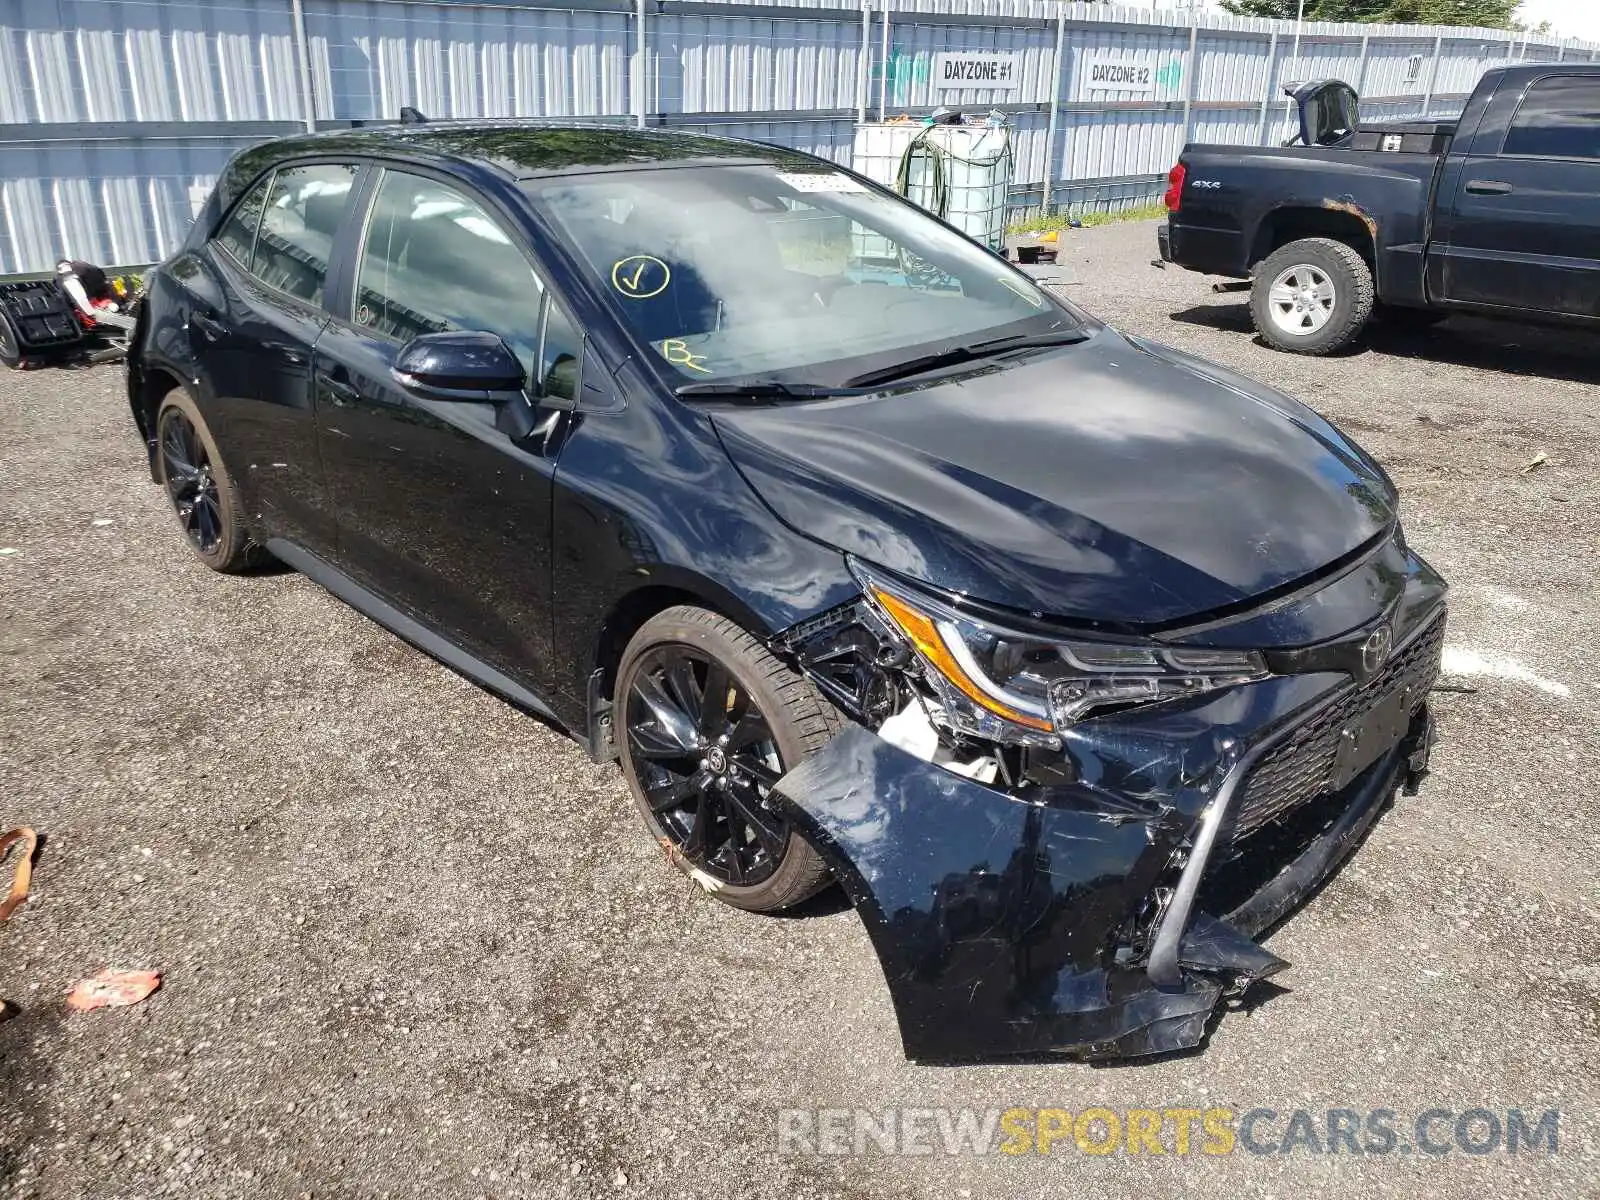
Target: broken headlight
1022 688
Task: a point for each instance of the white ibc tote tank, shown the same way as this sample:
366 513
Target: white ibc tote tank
959 172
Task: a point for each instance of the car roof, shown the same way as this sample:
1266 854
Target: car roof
529 149
510 149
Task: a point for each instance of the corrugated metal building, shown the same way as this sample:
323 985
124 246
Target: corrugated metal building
115 115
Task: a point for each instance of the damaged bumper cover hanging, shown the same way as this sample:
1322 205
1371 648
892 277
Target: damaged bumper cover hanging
1074 920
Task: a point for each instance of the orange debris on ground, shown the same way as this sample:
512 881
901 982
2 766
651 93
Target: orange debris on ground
112 989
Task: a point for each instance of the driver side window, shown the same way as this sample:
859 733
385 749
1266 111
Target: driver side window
433 260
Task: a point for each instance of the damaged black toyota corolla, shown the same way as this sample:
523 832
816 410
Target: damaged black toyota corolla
1077 661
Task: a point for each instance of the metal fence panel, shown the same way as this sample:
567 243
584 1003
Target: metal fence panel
1462 63
370 58
116 115
911 63
1162 50
1231 68
125 203
1102 144
1399 68
144 60
1320 59
1236 126
830 138
737 64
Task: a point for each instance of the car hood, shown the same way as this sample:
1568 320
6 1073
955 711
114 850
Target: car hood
1112 481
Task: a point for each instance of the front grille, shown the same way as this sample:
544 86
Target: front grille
1303 767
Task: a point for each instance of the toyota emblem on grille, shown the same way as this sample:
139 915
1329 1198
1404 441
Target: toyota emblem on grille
1375 650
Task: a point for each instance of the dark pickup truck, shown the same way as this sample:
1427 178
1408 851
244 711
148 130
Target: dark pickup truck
1497 213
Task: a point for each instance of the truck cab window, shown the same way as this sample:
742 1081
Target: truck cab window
1558 118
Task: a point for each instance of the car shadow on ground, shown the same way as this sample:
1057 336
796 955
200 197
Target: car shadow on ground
829 902
1510 347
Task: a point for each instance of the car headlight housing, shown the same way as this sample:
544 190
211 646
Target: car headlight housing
1021 688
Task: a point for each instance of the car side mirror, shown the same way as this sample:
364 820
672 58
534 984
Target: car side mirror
470 366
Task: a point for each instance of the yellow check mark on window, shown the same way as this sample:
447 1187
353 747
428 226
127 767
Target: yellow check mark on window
634 277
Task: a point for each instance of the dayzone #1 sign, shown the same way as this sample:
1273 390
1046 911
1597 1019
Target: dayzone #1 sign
998 72
1113 74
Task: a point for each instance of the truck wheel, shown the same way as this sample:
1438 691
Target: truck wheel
1312 296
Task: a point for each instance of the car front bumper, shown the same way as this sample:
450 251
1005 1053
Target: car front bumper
1110 917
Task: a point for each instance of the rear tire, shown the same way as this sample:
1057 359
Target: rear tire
707 720
1312 296
200 489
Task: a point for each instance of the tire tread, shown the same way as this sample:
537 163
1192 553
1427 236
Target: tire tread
239 553
1347 325
813 719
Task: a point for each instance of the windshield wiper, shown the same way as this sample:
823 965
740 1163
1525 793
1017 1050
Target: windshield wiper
757 390
974 352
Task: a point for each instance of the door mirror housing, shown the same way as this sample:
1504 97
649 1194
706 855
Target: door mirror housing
454 365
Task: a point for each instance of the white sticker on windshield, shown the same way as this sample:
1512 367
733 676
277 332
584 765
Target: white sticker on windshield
818 181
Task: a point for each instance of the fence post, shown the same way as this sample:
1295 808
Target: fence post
302 57
1266 99
862 65
1055 108
883 68
1188 84
1433 75
1361 72
641 81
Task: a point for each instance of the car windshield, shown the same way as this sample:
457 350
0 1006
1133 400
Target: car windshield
795 273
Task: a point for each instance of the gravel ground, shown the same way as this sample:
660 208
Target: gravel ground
416 944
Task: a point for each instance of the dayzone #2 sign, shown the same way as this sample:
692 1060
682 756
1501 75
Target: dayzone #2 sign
953 71
1113 74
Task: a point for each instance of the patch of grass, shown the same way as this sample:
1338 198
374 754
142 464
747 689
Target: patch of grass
1062 220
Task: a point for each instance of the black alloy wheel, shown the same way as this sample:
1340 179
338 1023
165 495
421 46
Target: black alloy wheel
706 758
191 481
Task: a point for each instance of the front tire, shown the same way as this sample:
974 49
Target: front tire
201 490
708 720
1313 296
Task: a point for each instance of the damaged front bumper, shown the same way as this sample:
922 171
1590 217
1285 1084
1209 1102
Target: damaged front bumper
1105 918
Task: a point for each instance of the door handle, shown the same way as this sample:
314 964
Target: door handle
339 393
1488 187
208 327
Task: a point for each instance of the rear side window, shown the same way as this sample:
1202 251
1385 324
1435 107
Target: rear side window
433 260
1558 118
298 224
238 233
